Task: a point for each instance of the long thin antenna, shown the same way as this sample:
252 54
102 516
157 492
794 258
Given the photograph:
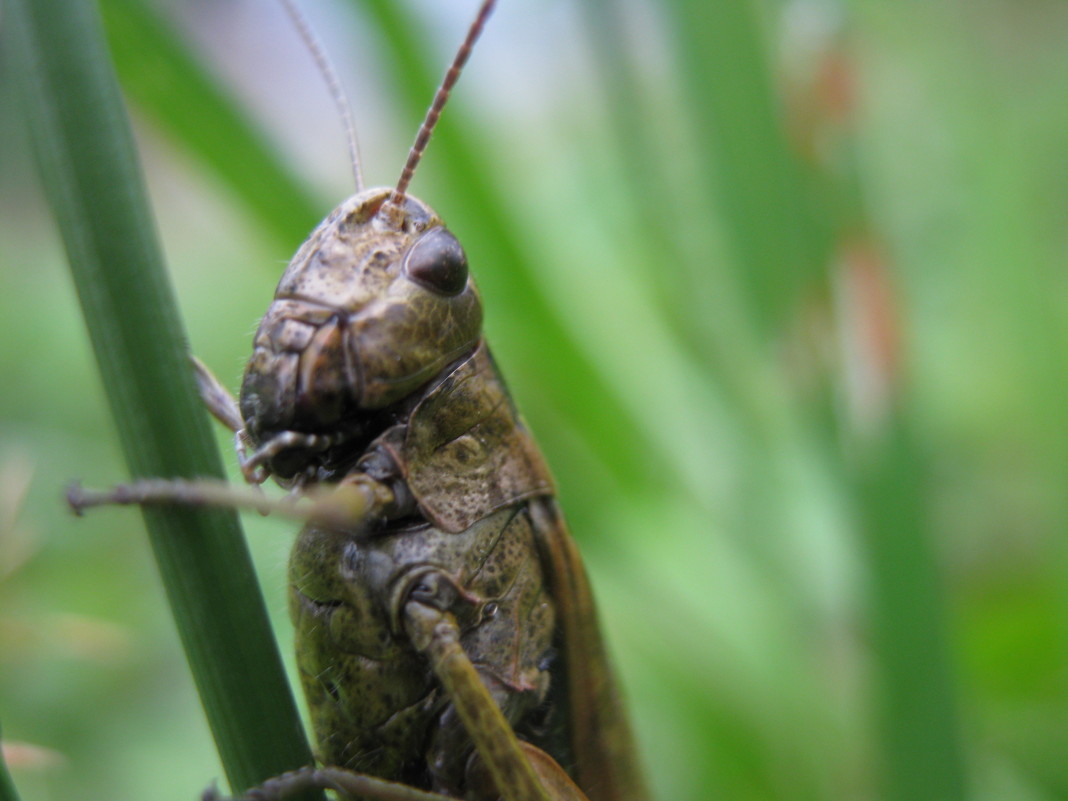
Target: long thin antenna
396 197
333 85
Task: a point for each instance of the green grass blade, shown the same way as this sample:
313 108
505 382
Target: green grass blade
92 179
753 177
920 752
698 298
711 301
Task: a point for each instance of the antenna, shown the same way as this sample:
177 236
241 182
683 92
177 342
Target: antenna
396 197
333 85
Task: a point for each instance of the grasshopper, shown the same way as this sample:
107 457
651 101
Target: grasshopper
447 639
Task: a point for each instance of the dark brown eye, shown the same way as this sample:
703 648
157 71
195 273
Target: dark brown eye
438 262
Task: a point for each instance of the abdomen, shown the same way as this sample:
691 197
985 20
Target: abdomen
375 705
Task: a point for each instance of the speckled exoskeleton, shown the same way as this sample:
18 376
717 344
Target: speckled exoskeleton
370 374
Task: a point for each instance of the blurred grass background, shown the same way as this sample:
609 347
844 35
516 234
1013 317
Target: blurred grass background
779 287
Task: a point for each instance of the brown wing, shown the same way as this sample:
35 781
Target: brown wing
606 765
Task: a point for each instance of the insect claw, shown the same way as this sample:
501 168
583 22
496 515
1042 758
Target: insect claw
253 470
76 498
79 499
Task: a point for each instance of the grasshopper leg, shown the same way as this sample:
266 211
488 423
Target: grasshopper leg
224 408
222 405
345 782
509 763
346 506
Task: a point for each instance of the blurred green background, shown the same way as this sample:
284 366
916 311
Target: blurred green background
781 290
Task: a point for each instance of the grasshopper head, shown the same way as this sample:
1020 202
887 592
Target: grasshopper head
373 305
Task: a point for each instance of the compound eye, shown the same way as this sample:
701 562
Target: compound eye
438 263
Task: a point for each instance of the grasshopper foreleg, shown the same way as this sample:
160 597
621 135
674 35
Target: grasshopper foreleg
220 402
254 467
224 408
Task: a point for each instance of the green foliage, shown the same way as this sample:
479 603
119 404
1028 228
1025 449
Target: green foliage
796 353
91 176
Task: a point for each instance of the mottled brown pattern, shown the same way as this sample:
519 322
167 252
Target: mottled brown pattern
365 334
467 453
364 373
